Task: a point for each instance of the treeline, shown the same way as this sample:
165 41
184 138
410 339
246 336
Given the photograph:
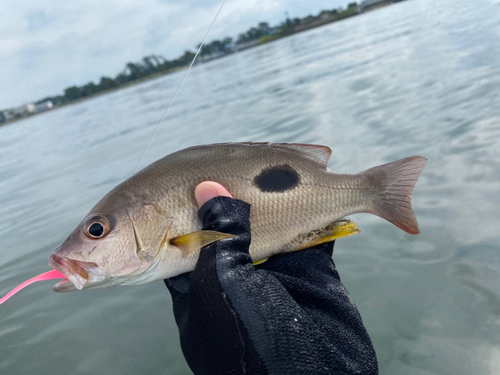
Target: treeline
149 65
157 64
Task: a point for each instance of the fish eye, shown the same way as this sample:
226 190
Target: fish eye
97 226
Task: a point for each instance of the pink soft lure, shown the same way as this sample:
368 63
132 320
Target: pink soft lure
44 276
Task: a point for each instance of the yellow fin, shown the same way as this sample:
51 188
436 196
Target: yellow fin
339 229
191 242
257 262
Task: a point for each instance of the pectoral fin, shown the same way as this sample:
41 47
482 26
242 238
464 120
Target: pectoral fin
339 229
191 242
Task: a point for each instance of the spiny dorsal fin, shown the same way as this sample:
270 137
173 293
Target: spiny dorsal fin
317 153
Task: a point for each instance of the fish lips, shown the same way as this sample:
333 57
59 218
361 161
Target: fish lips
77 273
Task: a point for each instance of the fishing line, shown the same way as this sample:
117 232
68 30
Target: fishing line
178 88
56 274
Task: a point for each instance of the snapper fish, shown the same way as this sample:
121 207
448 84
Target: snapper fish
147 228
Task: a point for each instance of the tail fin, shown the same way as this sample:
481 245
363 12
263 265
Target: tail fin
395 182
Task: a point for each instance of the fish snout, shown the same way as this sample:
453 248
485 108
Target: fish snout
75 270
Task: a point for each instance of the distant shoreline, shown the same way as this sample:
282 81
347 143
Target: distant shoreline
286 30
125 85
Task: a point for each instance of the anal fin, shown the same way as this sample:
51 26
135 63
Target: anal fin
338 229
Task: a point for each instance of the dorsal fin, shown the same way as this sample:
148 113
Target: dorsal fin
317 153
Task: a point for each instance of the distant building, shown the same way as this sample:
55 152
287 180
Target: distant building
45 106
21 111
309 19
325 15
313 21
27 109
9 113
241 46
366 5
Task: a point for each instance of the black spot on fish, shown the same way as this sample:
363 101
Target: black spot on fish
277 179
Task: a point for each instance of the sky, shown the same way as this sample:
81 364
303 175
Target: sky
47 46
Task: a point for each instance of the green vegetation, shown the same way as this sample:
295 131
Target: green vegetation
352 10
267 38
155 65
254 33
149 66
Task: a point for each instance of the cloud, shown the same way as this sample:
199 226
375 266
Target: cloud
38 20
50 45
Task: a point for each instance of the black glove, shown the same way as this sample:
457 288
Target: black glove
290 315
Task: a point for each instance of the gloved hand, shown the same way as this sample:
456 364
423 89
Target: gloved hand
290 315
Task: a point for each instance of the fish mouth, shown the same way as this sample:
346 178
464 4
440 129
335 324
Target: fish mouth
76 272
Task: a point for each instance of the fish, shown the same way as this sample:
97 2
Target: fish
147 228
